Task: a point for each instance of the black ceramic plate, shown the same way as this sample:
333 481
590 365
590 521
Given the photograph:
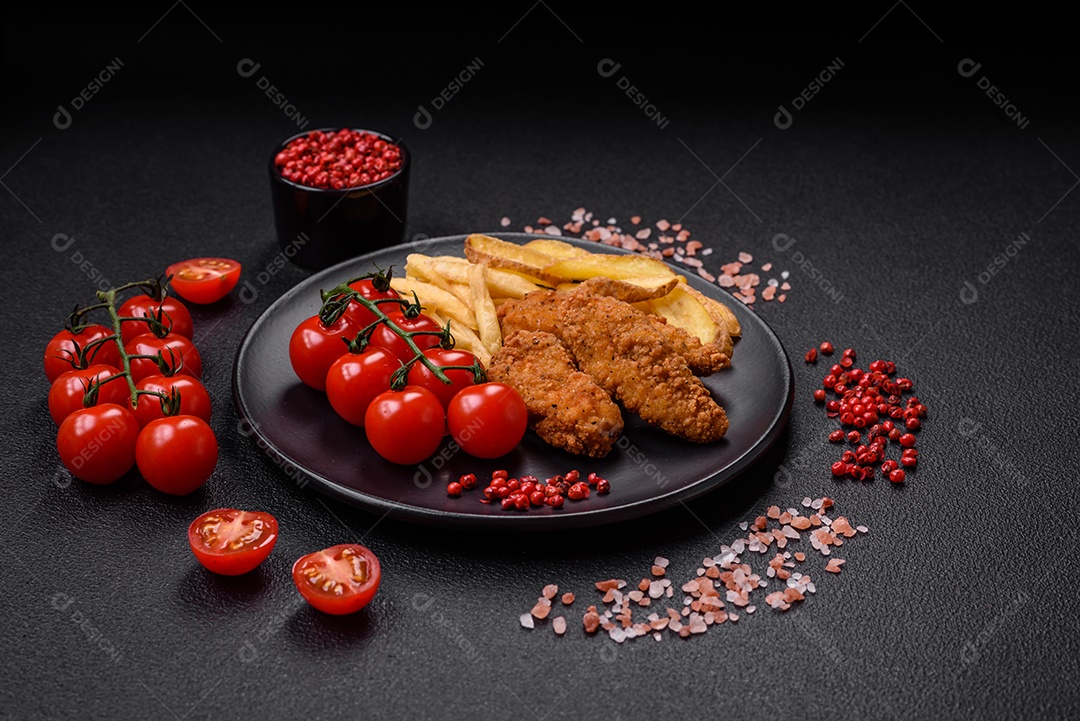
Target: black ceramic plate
649 470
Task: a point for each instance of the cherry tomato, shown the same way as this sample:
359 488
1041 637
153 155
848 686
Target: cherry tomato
98 444
184 358
355 379
176 454
67 391
405 426
314 347
232 542
386 338
194 400
174 316
420 375
487 420
204 280
360 315
340 579
60 350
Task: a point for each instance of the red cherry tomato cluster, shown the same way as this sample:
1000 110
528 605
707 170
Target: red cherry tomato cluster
131 395
356 358
337 580
529 491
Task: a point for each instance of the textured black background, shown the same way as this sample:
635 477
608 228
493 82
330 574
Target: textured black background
900 181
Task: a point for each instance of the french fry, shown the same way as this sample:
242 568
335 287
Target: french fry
501 283
557 249
434 297
487 320
466 339
510 256
616 267
719 312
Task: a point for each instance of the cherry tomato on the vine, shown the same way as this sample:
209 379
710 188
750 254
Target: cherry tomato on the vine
174 316
60 350
232 542
421 375
314 347
487 420
360 315
340 579
176 454
194 400
97 444
386 338
204 280
405 426
184 357
67 392
354 380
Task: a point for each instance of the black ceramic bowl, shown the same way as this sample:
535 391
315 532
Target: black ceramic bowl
317 227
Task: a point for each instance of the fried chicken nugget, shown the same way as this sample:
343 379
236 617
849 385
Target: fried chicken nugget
539 310
629 359
566 409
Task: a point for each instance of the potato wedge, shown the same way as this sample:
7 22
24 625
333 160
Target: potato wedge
487 320
616 267
719 312
557 249
434 297
684 310
501 283
509 256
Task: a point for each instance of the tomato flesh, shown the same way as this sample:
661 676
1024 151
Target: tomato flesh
232 542
487 420
338 580
204 280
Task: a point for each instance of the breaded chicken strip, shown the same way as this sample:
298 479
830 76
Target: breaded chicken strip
566 409
539 310
629 360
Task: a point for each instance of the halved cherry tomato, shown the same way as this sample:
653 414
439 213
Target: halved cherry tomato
354 380
194 400
97 444
340 579
176 454
183 358
204 280
60 350
386 338
421 375
173 314
314 347
231 542
67 392
405 426
487 420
